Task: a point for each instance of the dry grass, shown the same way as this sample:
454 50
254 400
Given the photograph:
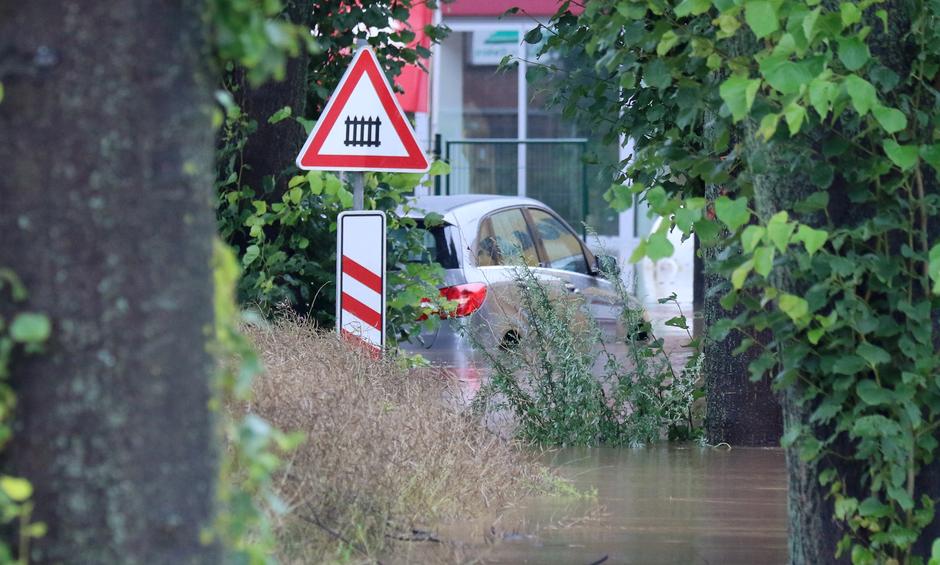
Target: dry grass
384 455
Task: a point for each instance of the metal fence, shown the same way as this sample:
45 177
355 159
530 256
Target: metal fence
550 170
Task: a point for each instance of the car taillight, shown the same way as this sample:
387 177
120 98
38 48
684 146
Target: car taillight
469 299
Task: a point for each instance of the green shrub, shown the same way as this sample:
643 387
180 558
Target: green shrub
565 386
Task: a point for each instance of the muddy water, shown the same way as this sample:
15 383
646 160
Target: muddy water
670 504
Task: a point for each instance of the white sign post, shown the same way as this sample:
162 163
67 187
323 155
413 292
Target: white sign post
360 277
362 128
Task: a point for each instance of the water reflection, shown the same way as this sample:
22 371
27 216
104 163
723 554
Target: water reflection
669 504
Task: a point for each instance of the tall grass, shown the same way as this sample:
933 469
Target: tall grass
384 454
566 385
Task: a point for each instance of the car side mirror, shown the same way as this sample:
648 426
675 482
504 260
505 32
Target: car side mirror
607 265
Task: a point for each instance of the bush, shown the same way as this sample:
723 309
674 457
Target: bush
566 387
384 455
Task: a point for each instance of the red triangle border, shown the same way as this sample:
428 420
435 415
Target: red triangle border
310 158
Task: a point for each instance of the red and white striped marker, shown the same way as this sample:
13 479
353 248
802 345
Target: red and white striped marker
360 278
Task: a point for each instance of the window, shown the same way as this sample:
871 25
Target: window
439 246
562 248
505 240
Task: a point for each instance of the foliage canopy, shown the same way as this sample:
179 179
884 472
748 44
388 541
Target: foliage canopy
800 137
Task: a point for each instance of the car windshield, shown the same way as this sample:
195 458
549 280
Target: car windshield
439 245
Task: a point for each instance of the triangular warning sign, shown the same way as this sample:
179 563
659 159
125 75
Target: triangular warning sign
362 127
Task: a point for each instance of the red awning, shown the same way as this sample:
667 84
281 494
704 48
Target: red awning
493 8
413 80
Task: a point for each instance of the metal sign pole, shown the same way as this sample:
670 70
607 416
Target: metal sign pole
358 182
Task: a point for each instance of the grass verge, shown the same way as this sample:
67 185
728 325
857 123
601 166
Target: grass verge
385 456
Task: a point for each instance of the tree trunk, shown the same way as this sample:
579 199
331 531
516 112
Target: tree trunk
273 148
107 157
738 411
814 532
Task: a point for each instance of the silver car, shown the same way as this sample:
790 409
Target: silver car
480 245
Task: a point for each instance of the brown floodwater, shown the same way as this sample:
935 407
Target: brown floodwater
668 504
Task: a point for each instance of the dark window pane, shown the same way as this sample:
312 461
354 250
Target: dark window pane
562 247
438 246
505 240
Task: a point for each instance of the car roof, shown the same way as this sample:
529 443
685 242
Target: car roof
476 203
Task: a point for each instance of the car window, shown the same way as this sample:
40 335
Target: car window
504 239
439 245
562 247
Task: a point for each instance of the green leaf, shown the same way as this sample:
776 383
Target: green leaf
873 354
904 156
295 180
739 275
812 239
764 260
794 307
779 230
658 246
849 365
794 114
686 217
295 195
315 180
1 92
768 126
706 230
931 154
809 24
872 394
891 119
733 213
19 490
761 17
821 93
281 114
657 75
785 75
934 267
853 52
751 237
692 7
251 253
532 36
667 42
29 327
677 322
738 92
345 198
862 93
850 14
874 508
439 167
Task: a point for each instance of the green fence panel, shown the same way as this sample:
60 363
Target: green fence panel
555 171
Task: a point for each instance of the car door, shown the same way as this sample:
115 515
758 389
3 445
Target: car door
504 243
564 256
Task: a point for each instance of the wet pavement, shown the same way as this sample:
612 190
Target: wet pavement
668 504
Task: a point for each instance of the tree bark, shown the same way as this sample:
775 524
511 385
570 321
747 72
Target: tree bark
814 533
273 148
107 154
738 411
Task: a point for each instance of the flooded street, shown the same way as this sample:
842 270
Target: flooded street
672 503
668 504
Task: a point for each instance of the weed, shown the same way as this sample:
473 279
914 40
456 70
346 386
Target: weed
566 385
384 453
